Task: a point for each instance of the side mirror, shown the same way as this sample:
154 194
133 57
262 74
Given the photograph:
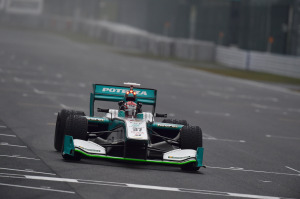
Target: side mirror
106 110
160 115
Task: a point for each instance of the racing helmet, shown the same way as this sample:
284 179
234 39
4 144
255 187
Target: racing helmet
130 95
130 109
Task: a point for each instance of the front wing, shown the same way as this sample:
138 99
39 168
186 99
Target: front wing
90 149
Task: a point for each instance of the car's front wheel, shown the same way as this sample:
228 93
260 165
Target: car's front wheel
77 127
190 138
61 119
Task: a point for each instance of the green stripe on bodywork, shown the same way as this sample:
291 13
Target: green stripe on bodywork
135 160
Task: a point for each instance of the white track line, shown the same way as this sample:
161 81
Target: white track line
225 140
141 186
252 196
39 105
282 137
37 188
292 169
65 106
212 113
8 135
46 82
3 126
13 145
254 171
40 92
260 106
27 171
50 178
209 137
18 156
18 72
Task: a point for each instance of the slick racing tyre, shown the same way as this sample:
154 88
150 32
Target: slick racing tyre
60 126
76 126
173 121
190 137
169 132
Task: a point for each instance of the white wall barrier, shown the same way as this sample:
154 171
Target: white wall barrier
259 61
232 57
277 64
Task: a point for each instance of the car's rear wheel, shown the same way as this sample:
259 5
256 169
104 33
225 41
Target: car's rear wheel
60 126
77 127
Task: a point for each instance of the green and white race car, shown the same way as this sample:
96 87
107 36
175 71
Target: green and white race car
128 133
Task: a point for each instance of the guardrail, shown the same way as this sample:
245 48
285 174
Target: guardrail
124 36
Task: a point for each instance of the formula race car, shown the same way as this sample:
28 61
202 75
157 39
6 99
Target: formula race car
128 133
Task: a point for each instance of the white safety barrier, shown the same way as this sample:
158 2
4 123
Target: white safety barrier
259 61
277 64
232 57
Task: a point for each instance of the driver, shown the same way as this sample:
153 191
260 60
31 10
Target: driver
130 105
130 109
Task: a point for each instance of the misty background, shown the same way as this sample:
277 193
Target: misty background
258 35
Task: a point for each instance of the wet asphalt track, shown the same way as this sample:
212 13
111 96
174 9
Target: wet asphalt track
252 130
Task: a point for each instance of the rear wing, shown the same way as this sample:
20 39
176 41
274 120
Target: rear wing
102 92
